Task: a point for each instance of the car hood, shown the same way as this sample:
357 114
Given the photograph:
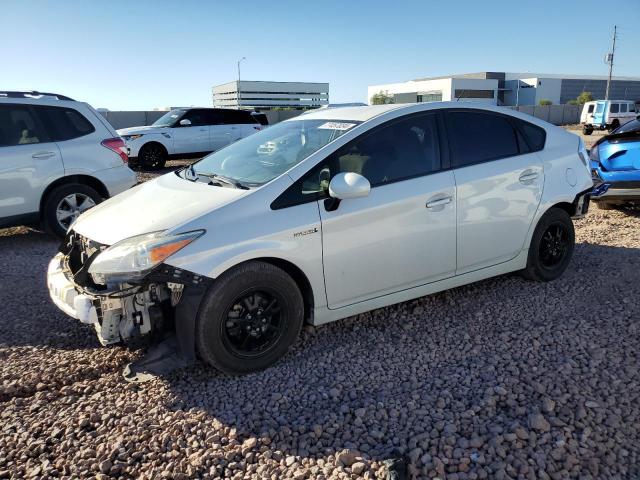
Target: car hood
140 130
160 204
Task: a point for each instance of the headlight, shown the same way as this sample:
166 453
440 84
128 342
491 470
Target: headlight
132 258
132 137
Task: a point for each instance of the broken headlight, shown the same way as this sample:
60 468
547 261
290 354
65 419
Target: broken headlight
132 258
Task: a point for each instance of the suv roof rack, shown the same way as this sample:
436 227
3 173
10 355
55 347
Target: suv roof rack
32 94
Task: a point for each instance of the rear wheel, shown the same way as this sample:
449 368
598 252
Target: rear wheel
249 318
152 156
551 246
65 203
615 124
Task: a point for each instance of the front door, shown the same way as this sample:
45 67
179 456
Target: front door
403 234
499 180
28 161
194 137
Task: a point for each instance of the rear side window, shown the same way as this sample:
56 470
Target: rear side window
64 123
534 135
476 137
615 108
18 126
633 107
623 108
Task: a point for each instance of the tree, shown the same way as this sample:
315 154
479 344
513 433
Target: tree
584 97
572 102
545 102
381 98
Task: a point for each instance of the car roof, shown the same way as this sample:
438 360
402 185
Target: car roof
363 114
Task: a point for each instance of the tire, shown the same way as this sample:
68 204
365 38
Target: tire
65 203
239 301
615 124
587 130
550 252
152 156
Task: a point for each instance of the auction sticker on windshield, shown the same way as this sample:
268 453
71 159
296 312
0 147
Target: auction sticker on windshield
337 126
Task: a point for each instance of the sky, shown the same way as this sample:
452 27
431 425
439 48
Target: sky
139 55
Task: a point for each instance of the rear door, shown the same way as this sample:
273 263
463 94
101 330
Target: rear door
193 138
29 160
499 180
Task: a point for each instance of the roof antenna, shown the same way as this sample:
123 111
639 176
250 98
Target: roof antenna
461 94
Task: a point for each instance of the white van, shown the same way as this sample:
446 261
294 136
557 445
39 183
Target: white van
609 114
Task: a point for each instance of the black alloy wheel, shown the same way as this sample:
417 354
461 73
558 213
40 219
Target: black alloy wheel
254 324
554 245
152 156
551 246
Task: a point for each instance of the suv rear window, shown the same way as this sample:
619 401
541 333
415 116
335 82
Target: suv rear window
235 117
18 126
64 123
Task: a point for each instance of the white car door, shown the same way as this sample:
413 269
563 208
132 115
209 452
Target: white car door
28 161
193 137
403 234
499 180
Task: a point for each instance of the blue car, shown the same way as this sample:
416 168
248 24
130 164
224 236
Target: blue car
615 167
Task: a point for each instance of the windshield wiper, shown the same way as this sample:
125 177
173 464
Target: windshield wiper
223 179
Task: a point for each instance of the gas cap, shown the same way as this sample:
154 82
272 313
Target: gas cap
572 179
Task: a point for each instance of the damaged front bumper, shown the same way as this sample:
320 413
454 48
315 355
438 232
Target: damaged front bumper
161 307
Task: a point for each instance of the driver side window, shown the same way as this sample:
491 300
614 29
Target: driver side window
195 117
395 151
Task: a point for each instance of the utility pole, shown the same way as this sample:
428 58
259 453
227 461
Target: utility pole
610 61
239 88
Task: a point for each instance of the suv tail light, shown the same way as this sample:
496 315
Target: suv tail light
116 145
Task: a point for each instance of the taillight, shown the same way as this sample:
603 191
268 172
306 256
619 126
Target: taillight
116 145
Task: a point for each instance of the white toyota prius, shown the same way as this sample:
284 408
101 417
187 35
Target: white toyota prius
318 218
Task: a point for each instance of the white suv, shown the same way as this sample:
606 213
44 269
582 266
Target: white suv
322 217
187 133
58 157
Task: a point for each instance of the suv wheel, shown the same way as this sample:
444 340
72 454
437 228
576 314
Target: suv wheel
65 203
551 246
152 156
587 130
249 318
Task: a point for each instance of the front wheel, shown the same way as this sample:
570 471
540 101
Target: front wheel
152 156
587 130
551 246
249 318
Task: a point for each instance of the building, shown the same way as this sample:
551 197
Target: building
504 88
268 95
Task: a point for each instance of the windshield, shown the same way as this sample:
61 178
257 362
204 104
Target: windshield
600 108
169 119
261 157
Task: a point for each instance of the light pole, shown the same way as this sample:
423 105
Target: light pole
239 89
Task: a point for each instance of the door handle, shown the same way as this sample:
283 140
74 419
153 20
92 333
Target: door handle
43 155
438 202
528 176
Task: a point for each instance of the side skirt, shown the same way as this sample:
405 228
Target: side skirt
325 315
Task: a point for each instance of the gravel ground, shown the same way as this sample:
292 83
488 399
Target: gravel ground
500 379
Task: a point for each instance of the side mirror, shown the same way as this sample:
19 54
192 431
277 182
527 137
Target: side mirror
349 185
185 122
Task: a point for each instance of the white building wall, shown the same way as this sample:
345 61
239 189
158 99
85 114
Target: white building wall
446 86
532 90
